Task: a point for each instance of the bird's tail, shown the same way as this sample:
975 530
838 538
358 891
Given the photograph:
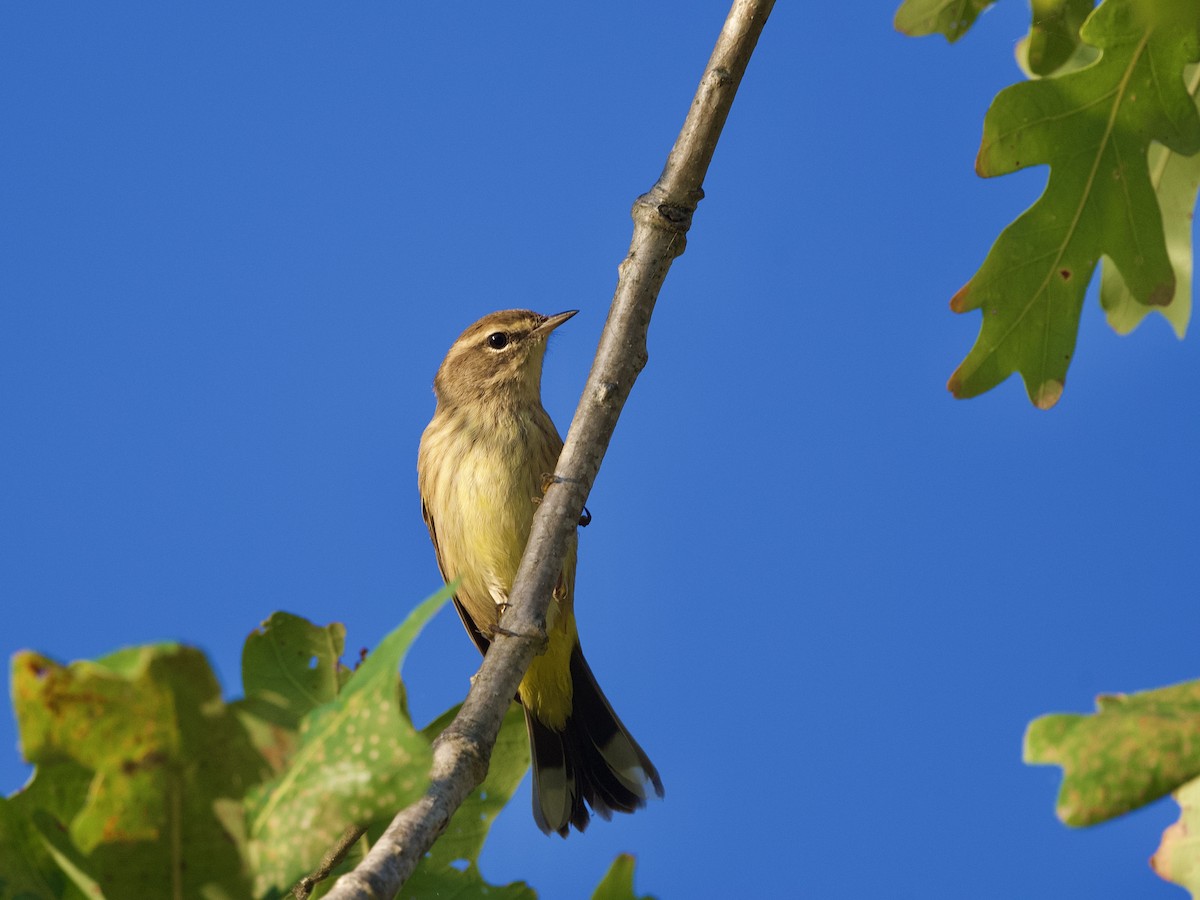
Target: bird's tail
593 761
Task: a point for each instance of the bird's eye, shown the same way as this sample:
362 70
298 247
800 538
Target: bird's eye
497 340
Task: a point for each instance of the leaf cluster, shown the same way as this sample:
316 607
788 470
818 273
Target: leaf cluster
148 784
1112 110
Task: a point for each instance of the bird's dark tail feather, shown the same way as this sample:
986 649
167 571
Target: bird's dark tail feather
594 761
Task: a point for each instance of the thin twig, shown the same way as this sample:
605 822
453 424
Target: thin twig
661 221
304 887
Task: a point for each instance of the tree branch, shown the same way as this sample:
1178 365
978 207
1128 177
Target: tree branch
662 218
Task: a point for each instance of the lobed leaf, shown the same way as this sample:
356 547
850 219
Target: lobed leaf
359 758
1137 748
1176 179
1053 34
1093 127
142 771
132 754
289 667
951 18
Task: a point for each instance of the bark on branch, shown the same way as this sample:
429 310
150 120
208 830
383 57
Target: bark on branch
662 218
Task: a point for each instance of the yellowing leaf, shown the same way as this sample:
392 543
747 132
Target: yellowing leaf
1178 856
133 753
1137 748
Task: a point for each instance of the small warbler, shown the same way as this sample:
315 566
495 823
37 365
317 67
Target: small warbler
483 462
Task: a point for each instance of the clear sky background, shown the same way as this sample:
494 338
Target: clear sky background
237 239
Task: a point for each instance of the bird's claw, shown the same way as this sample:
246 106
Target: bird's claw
538 635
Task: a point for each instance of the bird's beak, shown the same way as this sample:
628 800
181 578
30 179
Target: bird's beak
553 322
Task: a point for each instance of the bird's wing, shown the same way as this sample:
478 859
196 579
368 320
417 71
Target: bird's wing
472 629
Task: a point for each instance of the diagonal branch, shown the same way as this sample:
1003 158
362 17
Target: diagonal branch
661 218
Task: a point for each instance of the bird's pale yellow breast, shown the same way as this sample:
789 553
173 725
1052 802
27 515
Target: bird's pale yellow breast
481 497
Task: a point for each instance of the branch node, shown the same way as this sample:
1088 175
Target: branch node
605 392
654 210
677 217
718 77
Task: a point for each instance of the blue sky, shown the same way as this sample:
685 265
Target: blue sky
237 241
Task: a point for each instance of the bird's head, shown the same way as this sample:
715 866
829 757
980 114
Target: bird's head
498 359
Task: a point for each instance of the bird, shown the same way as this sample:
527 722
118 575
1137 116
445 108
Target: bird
482 468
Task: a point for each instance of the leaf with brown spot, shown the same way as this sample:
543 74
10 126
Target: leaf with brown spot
132 752
1093 127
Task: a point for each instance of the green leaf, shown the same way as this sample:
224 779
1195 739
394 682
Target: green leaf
1093 128
52 799
58 845
1175 178
1177 859
60 787
1053 35
359 759
133 752
27 870
462 886
1137 748
618 883
289 667
952 18
451 868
